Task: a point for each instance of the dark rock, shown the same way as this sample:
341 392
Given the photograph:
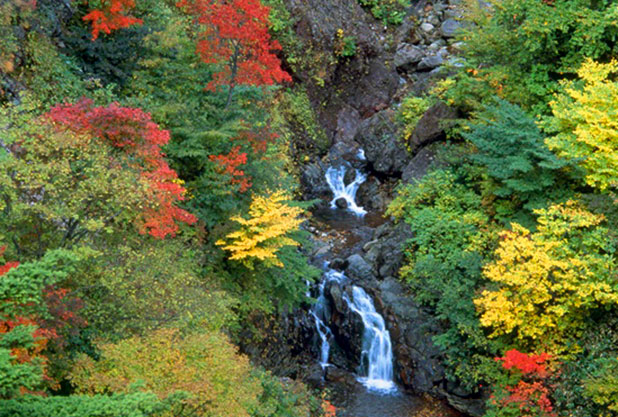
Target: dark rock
334 374
408 56
379 137
372 196
313 180
418 166
358 268
450 27
431 127
341 203
386 254
338 264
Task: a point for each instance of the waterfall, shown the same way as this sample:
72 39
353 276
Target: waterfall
335 179
319 312
377 354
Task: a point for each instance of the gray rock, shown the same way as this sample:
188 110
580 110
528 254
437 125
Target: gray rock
313 181
450 27
358 268
341 203
408 56
433 61
418 166
348 122
427 27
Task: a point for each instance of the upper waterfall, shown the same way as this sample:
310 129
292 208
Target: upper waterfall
335 179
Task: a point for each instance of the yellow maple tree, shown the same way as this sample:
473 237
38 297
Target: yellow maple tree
586 122
547 280
271 220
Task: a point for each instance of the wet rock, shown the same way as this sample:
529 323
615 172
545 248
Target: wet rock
372 196
341 203
313 180
379 137
338 264
334 374
358 268
431 127
450 27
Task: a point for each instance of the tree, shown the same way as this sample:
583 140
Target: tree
266 231
205 365
512 148
140 139
549 281
236 37
585 120
110 15
525 393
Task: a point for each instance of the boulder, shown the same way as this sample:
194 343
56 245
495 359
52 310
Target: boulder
358 268
431 127
379 137
341 203
450 27
418 166
408 56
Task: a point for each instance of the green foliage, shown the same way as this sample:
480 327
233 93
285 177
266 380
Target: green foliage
138 285
512 149
411 110
204 365
298 124
15 375
115 405
21 288
519 49
452 235
602 386
390 12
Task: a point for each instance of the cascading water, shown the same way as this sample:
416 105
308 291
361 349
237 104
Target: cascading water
319 313
377 354
335 179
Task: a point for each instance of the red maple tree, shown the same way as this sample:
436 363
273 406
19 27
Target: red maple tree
133 131
111 15
229 164
236 35
530 394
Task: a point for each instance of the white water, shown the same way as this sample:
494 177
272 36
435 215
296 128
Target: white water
319 315
377 354
335 179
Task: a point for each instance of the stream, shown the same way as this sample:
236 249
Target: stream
371 390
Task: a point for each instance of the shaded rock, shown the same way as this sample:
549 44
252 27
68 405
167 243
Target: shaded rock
407 56
313 180
431 127
378 136
341 203
450 27
386 254
358 268
334 374
418 166
372 196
